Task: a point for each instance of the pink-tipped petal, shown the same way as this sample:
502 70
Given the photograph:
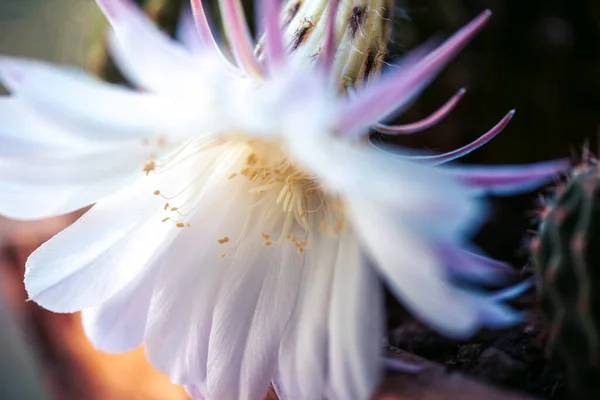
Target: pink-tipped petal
426 123
398 89
480 141
202 25
512 179
329 47
239 37
269 15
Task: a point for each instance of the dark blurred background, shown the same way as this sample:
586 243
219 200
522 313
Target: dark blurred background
540 57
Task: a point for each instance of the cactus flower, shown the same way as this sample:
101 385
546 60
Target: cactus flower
242 222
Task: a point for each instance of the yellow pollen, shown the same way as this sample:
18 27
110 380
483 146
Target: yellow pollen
222 255
166 206
165 219
232 176
223 240
180 224
156 192
149 167
251 160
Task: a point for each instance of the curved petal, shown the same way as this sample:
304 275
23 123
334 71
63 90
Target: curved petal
48 169
118 325
181 309
509 179
418 276
396 90
426 123
408 190
102 110
145 55
98 255
303 354
474 145
355 325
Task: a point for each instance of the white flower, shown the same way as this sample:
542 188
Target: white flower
242 223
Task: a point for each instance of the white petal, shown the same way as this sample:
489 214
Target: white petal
421 195
181 310
303 355
355 325
408 261
102 109
146 56
273 311
232 322
118 325
90 261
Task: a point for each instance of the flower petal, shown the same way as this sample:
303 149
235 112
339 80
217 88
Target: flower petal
102 110
118 325
98 255
179 326
396 90
417 276
509 179
145 55
303 355
239 37
355 325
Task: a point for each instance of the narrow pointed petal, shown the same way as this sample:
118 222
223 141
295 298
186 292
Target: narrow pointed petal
514 291
269 15
355 325
239 37
426 123
396 90
512 179
475 267
480 141
329 48
204 32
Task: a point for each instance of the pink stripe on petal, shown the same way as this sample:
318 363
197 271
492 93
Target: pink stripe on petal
480 141
329 48
511 179
202 26
396 90
239 37
433 119
269 15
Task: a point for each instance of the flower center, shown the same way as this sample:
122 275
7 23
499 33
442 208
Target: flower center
287 202
291 201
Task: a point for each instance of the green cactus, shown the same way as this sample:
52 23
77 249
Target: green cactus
164 12
566 257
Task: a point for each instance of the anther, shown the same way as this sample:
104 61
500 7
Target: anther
223 240
149 167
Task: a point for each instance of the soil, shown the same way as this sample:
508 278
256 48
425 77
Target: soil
512 358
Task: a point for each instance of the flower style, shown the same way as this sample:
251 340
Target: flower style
242 223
